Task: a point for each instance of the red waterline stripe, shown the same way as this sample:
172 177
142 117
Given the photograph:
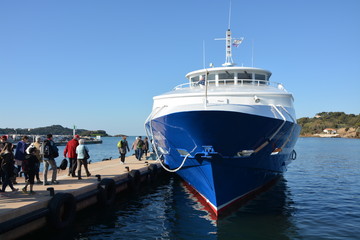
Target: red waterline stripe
232 205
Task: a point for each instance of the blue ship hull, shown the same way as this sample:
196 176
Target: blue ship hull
211 147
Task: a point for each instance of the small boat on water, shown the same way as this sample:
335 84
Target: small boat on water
229 132
87 140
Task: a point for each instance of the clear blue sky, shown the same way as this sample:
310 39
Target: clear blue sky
97 64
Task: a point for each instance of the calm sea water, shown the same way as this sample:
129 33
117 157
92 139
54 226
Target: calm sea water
318 198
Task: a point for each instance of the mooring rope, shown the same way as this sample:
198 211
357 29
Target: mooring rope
177 169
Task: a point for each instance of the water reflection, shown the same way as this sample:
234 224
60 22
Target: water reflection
268 216
166 210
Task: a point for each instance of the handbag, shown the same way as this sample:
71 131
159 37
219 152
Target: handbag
86 154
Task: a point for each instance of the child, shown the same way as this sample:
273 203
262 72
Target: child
29 167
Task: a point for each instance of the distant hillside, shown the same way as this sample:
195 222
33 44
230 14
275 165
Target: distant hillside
347 125
54 129
120 135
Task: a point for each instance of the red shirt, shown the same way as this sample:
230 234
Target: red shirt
70 148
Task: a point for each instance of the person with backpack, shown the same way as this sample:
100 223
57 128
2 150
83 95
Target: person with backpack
49 153
139 146
123 147
70 151
29 166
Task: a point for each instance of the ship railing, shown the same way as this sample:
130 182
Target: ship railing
230 82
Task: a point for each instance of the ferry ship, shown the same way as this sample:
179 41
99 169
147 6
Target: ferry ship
229 132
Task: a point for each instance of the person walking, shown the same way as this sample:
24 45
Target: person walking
20 154
70 151
123 147
82 156
3 142
30 168
37 145
8 167
146 146
134 147
49 151
139 146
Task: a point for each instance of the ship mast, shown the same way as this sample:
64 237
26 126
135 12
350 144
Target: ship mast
228 45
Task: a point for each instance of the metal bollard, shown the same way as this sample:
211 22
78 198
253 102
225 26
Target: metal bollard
51 190
98 177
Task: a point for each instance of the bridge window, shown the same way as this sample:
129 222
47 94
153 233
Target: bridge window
245 75
211 77
259 77
226 75
194 80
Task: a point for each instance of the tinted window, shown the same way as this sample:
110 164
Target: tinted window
226 75
259 77
195 79
211 77
244 76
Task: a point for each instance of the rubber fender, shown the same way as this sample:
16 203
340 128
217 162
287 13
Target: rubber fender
107 191
62 210
153 171
134 179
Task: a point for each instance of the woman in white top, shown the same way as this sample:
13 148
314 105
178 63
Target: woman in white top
82 157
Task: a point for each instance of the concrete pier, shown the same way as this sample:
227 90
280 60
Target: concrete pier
56 205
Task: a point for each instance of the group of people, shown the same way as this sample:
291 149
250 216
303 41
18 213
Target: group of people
140 147
78 155
26 158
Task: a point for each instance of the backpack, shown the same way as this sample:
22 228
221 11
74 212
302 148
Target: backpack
49 150
63 164
46 149
119 144
140 143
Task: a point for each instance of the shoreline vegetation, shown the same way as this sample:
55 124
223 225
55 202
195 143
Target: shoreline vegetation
54 129
324 124
331 125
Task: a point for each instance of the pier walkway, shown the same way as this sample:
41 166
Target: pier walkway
21 213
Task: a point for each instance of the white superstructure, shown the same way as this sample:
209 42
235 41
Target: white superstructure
241 89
